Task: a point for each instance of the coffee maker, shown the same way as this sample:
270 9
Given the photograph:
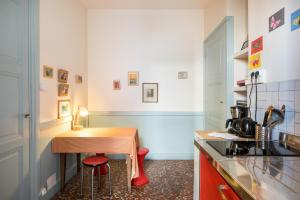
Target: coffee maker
237 113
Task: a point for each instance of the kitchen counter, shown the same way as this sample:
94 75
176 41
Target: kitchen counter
255 177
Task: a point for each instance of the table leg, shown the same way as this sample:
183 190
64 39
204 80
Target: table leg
78 158
62 170
128 162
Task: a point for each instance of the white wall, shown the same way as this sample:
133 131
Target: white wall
280 57
214 13
158 44
62 45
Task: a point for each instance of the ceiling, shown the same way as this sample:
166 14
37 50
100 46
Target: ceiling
144 4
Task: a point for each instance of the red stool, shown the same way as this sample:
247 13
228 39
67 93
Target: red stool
142 179
103 168
94 162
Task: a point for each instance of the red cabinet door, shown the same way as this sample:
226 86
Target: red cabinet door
212 184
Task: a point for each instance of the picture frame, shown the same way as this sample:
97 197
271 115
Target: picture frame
63 108
182 75
63 90
116 85
62 76
48 72
150 92
133 78
78 79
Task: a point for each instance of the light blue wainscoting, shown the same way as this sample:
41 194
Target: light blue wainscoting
168 135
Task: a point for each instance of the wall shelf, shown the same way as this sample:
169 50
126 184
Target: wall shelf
240 89
242 55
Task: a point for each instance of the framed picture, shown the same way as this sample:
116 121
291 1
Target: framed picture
182 75
63 90
64 108
47 72
78 79
133 78
62 76
116 85
150 92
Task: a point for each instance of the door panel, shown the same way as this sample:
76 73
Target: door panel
215 79
14 128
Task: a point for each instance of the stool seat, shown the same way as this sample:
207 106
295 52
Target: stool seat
94 161
143 151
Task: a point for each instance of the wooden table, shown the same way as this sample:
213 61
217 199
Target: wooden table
99 140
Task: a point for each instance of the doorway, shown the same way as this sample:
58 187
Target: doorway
218 75
19 100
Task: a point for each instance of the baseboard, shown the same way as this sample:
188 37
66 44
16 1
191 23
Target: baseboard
55 189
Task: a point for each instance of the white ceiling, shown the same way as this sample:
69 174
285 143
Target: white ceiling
144 4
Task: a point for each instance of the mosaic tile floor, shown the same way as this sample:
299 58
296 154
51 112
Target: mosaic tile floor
168 180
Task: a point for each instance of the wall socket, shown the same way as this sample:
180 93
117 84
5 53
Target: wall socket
51 181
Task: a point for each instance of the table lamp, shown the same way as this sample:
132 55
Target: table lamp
81 112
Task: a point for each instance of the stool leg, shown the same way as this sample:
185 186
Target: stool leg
109 178
99 175
92 183
81 181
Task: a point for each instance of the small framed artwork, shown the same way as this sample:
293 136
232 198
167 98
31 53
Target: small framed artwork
295 20
64 108
47 72
78 79
63 90
276 20
150 92
133 78
182 75
62 76
117 85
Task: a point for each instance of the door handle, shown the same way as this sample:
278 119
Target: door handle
221 188
27 116
221 102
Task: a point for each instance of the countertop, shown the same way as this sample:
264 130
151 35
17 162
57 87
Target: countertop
265 178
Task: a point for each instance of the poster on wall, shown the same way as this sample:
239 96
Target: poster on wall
295 20
116 85
276 20
257 45
255 61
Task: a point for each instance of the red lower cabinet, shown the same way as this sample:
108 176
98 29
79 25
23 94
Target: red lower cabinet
212 184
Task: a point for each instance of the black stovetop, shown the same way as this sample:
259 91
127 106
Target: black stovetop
253 148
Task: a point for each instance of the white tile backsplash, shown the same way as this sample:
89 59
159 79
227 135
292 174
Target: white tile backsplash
290 121
286 96
297 101
277 94
297 118
273 87
272 99
287 86
298 85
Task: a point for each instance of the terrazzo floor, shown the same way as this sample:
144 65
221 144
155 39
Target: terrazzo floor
168 180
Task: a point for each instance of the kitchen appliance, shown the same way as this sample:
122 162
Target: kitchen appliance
244 127
241 124
253 148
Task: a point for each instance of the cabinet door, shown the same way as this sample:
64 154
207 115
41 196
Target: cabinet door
212 185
